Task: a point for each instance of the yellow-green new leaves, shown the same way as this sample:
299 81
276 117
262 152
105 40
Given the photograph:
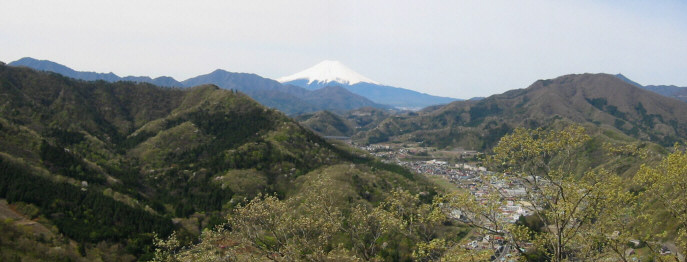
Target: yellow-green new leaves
666 186
481 213
532 152
212 248
430 251
299 228
572 209
262 222
366 227
458 253
417 219
164 250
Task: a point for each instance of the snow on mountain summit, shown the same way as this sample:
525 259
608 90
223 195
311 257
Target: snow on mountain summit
328 71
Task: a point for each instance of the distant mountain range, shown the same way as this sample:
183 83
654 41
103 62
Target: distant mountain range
297 94
289 99
328 73
46 65
676 92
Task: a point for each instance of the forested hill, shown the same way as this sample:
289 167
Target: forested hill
600 100
116 162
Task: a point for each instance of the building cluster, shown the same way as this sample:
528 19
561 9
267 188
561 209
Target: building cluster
470 178
512 193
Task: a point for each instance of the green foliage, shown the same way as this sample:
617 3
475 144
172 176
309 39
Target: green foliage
598 102
494 134
65 137
18 243
133 140
665 185
243 125
619 124
60 161
327 124
480 111
322 221
574 217
246 183
299 228
81 215
613 110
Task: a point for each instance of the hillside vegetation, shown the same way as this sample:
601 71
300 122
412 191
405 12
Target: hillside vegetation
350 123
593 216
117 163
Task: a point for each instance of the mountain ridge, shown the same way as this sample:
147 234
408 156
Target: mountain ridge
47 65
598 99
672 91
287 98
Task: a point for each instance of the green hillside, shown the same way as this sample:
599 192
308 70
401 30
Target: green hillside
353 122
327 123
116 163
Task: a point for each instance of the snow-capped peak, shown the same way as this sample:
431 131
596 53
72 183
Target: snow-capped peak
328 71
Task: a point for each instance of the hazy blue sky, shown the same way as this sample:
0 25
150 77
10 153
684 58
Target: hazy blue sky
450 48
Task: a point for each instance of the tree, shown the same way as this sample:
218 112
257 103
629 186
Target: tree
571 206
665 187
458 253
317 225
302 227
367 227
418 222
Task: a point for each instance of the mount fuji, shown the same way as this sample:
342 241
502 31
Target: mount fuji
335 73
328 71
